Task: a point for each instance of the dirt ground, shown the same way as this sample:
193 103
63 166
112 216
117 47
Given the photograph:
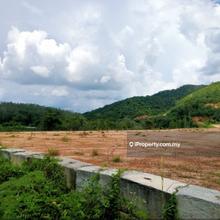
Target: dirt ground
197 161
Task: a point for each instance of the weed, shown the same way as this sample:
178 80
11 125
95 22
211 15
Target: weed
95 153
53 152
84 134
170 211
78 153
56 134
31 136
104 165
41 193
116 159
8 170
65 139
12 136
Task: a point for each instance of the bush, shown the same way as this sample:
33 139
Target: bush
39 192
9 171
31 196
53 152
116 159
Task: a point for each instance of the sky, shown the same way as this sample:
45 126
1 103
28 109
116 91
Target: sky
80 55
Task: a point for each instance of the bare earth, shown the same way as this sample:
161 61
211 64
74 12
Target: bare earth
102 147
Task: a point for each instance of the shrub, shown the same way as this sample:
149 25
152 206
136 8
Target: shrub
41 193
9 171
29 197
53 152
170 210
65 139
116 159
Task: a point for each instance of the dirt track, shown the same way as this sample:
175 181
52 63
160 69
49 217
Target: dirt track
102 148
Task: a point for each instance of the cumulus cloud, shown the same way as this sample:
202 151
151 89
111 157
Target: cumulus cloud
106 51
32 58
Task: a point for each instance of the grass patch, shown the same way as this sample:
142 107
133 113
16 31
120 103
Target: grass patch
95 153
170 210
12 136
83 134
78 153
56 134
37 190
65 139
53 152
116 159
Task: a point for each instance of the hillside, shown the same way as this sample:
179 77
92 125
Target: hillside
35 117
142 105
187 106
200 107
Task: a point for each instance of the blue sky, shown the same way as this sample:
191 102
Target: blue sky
80 55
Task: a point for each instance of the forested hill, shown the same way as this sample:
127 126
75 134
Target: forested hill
35 117
142 105
201 107
187 106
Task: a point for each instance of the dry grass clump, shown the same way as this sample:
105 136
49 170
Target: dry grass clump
53 152
116 159
95 153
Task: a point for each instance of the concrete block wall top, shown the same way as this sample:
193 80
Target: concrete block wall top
96 169
71 163
201 193
153 181
11 150
29 154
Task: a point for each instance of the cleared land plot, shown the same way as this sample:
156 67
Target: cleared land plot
109 148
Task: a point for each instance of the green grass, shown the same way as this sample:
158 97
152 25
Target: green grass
37 190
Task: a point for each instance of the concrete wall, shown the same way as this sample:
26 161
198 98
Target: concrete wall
150 192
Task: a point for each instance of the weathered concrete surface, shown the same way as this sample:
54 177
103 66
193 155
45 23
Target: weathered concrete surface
70 167
20 157
8 152
196 202
148 191
83 174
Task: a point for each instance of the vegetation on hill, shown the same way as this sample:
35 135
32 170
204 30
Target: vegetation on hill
201 107
142 105
34 117
187 106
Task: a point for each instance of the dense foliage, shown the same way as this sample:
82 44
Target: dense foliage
37 190
34 117
144 105
179 108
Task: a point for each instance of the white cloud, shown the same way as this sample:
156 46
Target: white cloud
80 62
40 70
118 49
32 58
59 92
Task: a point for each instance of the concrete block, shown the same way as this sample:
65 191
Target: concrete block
70 167
83 174
149 192
195 202
20 157
8 152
